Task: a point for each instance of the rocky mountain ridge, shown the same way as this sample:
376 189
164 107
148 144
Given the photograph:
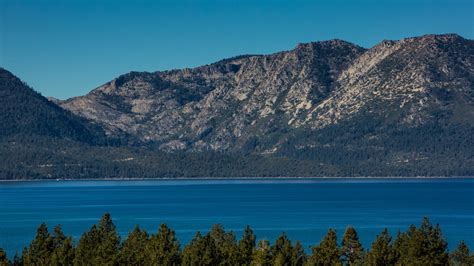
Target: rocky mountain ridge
231 104
400 108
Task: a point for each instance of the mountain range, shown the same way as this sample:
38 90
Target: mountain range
330 108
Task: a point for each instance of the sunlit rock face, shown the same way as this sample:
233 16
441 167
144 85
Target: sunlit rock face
256 103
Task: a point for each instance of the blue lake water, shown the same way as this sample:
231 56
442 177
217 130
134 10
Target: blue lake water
304 209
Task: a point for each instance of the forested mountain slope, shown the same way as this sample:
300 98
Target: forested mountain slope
24 112
331 108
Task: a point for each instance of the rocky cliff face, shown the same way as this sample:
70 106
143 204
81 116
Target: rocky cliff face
256 102
405 81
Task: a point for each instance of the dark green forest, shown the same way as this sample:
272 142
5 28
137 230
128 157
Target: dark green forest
47 158
101 245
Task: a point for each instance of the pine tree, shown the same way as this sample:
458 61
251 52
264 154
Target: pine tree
381 252
163 248
282 251
41 248
437 245
17 259
327 252
200 251
421 246
400 246
351 248
110 241
226 244
63 253
99 246
298 256
133 251
461 255
3 258
263 256
247 246
86 249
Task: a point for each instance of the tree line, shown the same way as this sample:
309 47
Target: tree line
46 158
101 245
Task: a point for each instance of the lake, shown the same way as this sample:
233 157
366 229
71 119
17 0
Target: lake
303 208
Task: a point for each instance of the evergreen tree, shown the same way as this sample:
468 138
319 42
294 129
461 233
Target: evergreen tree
17 259
163 248
200 251
3 258
133 251
327 252
282 251
226 244
63 253
247 246
110 240
41 248
436 245
381 252
421 246
400 245
263 256
461 255
99 246
86 249
351 249
298 256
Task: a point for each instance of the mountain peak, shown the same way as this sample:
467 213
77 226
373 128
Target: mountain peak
326 44
438 37
434 39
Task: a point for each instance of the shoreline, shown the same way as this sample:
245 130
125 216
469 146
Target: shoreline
241 178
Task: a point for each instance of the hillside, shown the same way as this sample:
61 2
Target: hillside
251 103
24 112
331 108
223 106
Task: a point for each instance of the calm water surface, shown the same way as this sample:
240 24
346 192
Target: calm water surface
304 209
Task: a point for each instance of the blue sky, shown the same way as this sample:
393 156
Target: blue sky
66 48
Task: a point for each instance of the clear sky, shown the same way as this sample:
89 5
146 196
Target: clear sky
66 48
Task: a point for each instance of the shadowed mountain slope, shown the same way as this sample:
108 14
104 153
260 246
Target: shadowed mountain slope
24 112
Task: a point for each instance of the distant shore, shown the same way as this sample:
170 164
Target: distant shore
235 178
